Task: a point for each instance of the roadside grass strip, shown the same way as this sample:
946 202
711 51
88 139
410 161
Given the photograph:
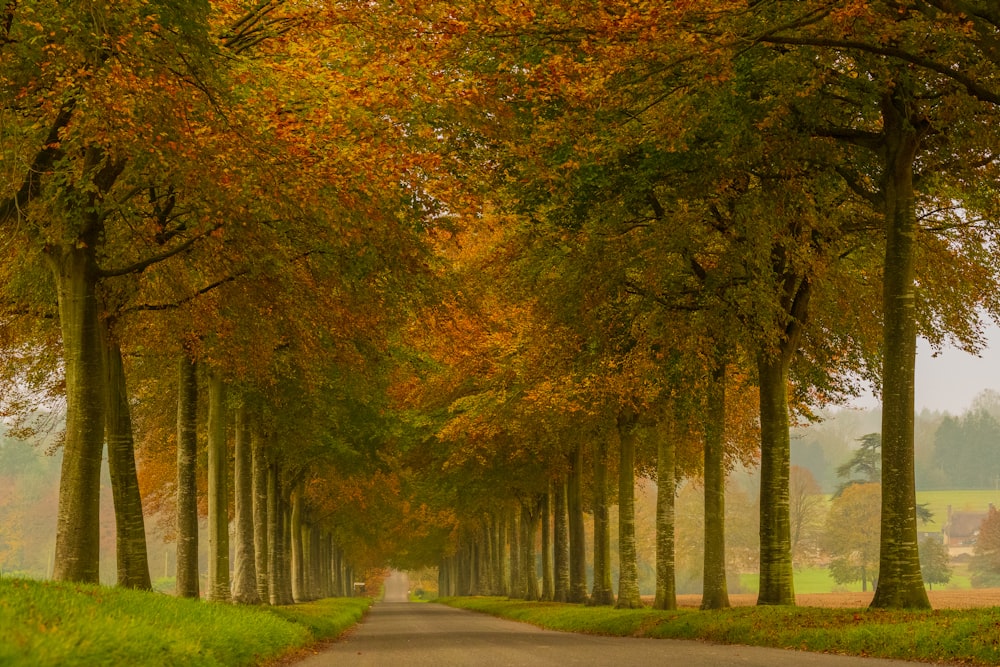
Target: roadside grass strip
49 623
966 636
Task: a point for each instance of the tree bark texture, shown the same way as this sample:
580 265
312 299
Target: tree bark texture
715 594
503 573
259 491
900 584
666 488
130 526
548 589
602 592
529 568
77 554
298 570
245 567
628 568
187 491
776 584
560 543
218 492
577 534
514 537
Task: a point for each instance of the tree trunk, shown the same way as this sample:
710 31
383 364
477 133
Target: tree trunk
245 567
259 491
218 492
560 544
298 576
187 490
77 555
666 488
900 584
715 593
514 537
130 526
274 557
776 585
286 576
577 535
602 592
628 567
548 590
529 569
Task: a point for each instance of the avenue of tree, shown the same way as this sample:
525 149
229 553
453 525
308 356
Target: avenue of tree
407 283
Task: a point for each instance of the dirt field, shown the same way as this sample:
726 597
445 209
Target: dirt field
964 599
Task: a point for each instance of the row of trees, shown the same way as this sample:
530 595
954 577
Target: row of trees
447 258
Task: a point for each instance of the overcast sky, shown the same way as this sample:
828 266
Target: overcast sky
950 381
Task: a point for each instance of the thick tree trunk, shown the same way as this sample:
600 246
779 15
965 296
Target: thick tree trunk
514 537
776 585
259 491
187 490
529 569
628 569
503 574
666 488
278 590
715 593
245 567
900 584
577 534
77 555
218 492
486 541
298 576
602 592
287 595
130 526
548 589
560 543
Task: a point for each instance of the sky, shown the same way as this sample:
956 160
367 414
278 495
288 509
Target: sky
950 381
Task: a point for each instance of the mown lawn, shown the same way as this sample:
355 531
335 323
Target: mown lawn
47 623
965 636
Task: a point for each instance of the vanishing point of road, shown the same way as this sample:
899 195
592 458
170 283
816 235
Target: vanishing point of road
397 633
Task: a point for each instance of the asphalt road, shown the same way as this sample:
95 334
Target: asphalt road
402 634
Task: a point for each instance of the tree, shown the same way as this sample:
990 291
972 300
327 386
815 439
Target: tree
806 511
851 537
985 564
865 465
934 561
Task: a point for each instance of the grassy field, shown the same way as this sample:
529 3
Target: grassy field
960 500
961 636
47 623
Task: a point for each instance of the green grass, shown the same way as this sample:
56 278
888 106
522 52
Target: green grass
48 623
965 636
960 500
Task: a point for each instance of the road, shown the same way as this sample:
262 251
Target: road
402 634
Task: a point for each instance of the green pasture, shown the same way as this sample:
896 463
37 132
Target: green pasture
45 623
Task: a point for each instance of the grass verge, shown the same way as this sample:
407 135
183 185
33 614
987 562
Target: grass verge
47 623
968 637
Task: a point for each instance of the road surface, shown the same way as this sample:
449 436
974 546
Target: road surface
401 634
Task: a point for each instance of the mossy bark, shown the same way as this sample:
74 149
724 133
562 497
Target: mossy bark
602 592
715 593
245 565
560 543
77 554
628 569
666 488
130 524
577 534
187 491
900 584
218 492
